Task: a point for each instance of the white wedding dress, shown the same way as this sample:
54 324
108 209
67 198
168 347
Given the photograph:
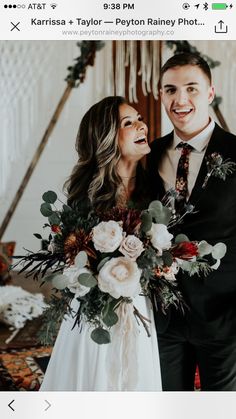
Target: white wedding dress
129 363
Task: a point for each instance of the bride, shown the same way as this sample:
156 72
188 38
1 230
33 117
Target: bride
112 139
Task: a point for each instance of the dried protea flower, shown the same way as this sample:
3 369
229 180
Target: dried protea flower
75 242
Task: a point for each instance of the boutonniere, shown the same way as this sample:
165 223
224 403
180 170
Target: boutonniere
218 167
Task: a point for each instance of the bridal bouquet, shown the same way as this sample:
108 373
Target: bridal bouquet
105 259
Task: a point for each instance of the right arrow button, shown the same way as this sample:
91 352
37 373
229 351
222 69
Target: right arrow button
48 405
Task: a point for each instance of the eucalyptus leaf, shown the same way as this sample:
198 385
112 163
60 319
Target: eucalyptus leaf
102 263
219 250
159 213
110 317
156 206
101 336
60 281
81 259
167 258
165 216
46 209
54 219
50 197
180 238
204 248
146 223
88 280
186 266
38 236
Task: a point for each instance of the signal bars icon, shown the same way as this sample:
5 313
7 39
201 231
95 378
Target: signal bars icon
53 5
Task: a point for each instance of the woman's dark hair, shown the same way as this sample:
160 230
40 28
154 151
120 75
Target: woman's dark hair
95 176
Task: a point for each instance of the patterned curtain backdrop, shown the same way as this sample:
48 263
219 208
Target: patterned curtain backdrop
31 82
224 76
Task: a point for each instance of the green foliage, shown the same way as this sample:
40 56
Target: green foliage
219 251
109 316
72 245
181 238
199 268
100 336
102 263
50 197
46 209
204 248
87 280
146 224
52 318
167 258
60 281
54 218
38 236
77 72
159 213
81 259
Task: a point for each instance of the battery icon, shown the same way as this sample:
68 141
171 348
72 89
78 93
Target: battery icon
219 6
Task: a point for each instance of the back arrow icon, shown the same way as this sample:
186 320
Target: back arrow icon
9 405
48 405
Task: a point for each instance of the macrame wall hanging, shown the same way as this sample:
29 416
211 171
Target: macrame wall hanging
126 62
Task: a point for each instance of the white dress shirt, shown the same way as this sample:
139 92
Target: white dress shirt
169 162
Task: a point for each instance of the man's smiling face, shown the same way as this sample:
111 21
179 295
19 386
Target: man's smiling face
186 94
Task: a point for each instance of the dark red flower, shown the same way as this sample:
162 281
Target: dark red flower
130 217
185 250
55 228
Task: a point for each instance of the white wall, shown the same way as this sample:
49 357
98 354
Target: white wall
59 156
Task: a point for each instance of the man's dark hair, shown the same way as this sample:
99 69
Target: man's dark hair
186 58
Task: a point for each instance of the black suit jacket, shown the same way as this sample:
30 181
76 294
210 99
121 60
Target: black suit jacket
211 299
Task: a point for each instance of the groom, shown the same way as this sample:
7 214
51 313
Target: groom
205 335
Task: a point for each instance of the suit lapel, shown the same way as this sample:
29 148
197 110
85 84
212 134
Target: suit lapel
160 148
162 145
216 144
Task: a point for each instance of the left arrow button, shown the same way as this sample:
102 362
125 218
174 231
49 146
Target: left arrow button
10 405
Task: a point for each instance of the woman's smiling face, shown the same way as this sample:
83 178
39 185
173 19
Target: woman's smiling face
132 134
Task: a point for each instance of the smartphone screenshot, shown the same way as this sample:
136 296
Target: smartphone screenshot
117 209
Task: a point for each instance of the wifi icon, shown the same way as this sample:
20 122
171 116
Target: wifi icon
53 5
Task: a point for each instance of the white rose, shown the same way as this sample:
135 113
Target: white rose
160 237
73 284
131 247
120 277
107 236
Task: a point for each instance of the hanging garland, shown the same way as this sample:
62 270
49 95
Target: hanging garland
77 72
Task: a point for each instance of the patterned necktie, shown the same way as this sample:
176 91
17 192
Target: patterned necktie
181 184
